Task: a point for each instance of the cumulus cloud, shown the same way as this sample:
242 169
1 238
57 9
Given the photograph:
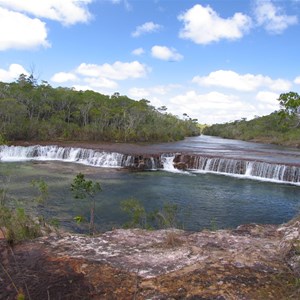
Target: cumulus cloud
268 101
98 77
147 27
165 53
13 73
117 71
203 25
138 93
18 31
101 83
246 82
138 51
269 98
61 77
272 17
67 12
212 107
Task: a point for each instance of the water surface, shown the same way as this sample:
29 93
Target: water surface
204 200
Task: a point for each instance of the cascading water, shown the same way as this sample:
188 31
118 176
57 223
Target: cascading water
68 154
168 162
243 168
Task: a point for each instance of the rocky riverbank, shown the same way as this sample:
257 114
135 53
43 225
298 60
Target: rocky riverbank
250 262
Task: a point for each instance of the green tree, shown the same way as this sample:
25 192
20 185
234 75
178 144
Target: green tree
290 106
86 189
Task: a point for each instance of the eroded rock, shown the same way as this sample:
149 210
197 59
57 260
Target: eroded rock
251 262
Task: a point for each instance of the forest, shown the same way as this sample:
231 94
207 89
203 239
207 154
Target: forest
32 111
280 127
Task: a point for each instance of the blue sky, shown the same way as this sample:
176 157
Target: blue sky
217 60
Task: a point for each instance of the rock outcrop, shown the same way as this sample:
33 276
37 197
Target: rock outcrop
250 262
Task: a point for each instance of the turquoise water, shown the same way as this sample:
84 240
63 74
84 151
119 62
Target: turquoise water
203 199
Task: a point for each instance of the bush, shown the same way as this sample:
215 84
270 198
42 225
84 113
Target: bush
17 226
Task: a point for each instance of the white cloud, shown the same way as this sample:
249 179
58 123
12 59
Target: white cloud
68 12
165 53
99 77
138 93
147 27
101 83
297 80
267 102
63 77
213 107
267 97
272 17
246 82
161 90
203 25
117 71
18 31
13 73
138 51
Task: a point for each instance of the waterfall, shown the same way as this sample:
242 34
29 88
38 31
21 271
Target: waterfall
249 169
167 162
175 163
68 154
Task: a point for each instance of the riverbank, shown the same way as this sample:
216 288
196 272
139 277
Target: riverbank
249 262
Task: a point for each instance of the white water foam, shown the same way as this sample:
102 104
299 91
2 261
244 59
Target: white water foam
168 165
76 155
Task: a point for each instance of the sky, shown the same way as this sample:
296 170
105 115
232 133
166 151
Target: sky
214 60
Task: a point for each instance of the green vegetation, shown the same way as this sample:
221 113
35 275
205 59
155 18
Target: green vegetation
136 212
32 111
42 189
166 217
86 190
282 127
16 225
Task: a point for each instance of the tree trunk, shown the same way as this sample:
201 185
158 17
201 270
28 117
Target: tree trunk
92 219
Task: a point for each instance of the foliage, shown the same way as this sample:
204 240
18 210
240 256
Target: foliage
42 188
166 217
17 225
86 190
136 212
270 129
4 190
290 106
3 140
32 111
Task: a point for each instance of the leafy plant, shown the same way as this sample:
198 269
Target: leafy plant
42 189
86 190
17 225
136 212
3 140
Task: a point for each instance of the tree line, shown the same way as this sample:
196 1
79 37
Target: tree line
280 127
36 111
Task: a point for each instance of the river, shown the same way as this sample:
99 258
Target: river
206 197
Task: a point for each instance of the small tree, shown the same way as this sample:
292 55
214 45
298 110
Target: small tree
86 189
42 189
136 212
167 216
290 105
